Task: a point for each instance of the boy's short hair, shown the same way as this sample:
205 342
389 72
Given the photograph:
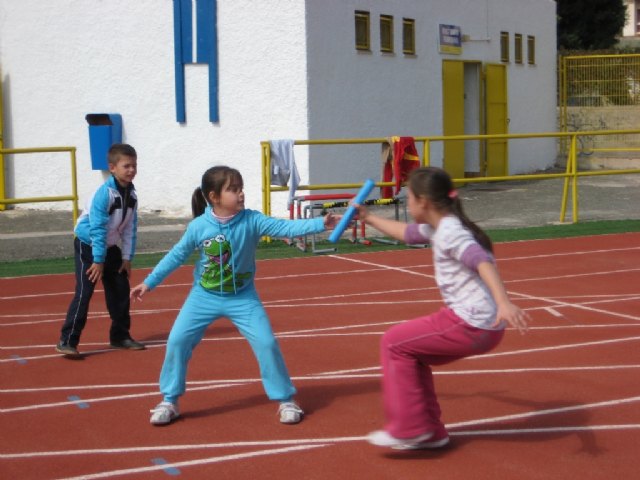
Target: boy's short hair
120 149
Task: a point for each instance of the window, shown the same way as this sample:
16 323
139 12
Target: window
517 48
363 41
531 50
386 33
504 46
408 36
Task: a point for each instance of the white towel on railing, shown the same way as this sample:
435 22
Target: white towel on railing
283 166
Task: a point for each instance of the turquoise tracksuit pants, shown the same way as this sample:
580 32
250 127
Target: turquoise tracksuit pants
247 313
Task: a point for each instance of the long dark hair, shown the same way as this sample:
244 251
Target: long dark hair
436 185
213 180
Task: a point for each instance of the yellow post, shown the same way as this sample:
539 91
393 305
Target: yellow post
2 194
565 188
426 153
74 185
266 183
574 179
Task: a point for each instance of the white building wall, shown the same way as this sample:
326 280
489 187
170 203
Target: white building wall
62 60
374 94
629 29
287 69
532 89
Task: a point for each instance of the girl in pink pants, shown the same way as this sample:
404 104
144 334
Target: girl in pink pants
472 322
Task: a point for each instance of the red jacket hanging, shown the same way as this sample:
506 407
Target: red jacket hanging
405 158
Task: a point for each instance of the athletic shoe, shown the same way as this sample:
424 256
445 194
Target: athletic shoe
67 349
382 438
163 413
128 344
290 413
439 439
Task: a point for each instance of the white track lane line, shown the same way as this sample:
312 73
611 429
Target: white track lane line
110 398
553 312
580 306
307 441
555 347
549 411
384 267
316 333
337 375
191 463
216 384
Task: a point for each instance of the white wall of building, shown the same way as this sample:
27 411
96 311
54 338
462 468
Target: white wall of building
62 60
287 69
629 29
373 94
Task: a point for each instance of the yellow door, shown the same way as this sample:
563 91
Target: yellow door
497 121
453 116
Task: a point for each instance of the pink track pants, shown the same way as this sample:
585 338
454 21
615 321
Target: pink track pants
408 351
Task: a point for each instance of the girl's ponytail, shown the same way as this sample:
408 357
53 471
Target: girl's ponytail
198 202
481 237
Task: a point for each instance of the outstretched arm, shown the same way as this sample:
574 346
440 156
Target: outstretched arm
507 311
391 228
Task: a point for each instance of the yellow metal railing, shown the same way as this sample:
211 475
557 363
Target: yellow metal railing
570 175
73 198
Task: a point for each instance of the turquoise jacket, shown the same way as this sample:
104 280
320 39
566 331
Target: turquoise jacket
227 251
102 224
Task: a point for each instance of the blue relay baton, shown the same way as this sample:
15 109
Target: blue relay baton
346 219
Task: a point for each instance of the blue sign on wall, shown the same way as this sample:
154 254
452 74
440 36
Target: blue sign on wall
450 39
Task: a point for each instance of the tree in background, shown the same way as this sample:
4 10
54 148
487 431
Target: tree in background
589 24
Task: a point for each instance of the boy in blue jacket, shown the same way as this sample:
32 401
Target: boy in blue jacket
104 246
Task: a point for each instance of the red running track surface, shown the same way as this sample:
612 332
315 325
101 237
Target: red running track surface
560 402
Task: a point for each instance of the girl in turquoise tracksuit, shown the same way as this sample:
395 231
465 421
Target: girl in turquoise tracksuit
226 235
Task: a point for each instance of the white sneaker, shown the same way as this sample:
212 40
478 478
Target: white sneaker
290 413
381 438
164 413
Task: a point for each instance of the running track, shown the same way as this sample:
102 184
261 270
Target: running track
562 401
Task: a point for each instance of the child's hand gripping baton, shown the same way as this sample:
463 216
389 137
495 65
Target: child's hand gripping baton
351 211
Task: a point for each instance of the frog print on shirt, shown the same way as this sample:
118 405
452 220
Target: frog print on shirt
218 272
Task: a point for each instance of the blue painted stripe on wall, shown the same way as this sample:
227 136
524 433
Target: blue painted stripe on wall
205 30
208 17
181 115
186 31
